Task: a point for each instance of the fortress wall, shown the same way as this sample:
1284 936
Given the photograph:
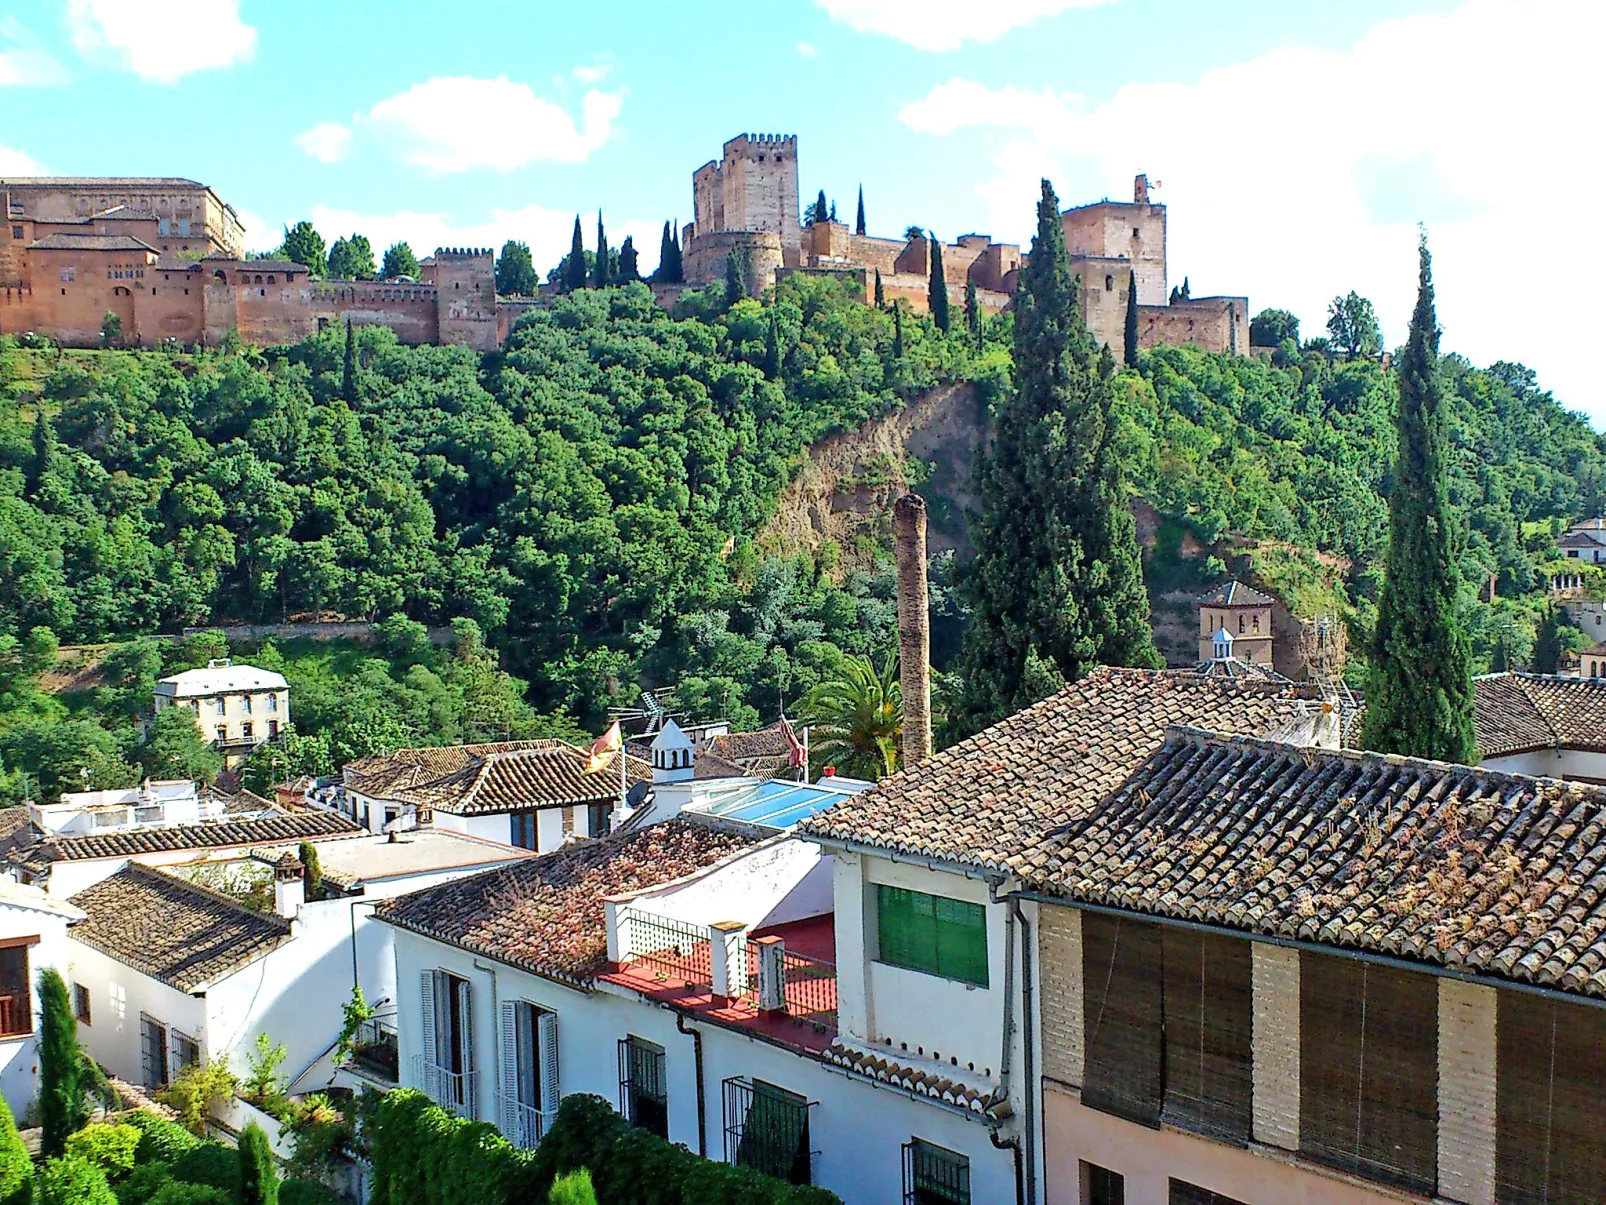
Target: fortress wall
1219 324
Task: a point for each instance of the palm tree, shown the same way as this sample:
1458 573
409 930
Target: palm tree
856 719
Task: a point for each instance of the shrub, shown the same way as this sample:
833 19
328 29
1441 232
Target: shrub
16 1167
307 1192
318 1132
196 1090
580 1137
109 1147
175 1192
259 1180
573 1188
209 1163
161 1141
143 1183
262 1086
72 1180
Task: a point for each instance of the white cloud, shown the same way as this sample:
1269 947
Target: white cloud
806 49
15 163
259 235
24 62
547 231
1301 174
456 124
327 142
161 40
938 25
594 73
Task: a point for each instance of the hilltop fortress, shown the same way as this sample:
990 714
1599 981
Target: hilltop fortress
166 257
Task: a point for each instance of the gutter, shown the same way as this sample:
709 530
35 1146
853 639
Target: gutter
1311 947
994 878
696 1037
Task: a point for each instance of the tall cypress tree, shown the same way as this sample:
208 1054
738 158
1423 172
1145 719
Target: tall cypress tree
680 269
858 222
820 207
600 269
1419 697
972 312
665 258
772 350
574 272
627 261
1056 585
880 292
937 287
259 1179
735 280
348 375
61 1090
1131 356
897 331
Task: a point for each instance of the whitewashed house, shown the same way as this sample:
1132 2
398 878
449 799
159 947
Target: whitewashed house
33 936
155 803
1543 724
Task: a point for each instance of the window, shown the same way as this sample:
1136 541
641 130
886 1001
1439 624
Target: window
933 1175
1136 233
222 734
1109 283
599 818
245 704
16 997
273 702
524 827
80 1003
218 706
1183 1193
767 1129
1240 625
643 1085
245 730
153 1052
448 1059
273 730
1550 1091
16 232
68 273
1368 1078
1167 1026
530 1092
186 1052
1101 1186
932 934
148 815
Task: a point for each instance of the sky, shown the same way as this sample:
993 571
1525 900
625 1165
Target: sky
1297 146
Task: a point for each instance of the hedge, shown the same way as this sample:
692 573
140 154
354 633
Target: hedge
422 1155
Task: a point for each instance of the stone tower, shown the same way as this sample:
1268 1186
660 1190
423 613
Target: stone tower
465 282
752 188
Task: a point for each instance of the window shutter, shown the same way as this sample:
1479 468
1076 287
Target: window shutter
465 1005
551 1091
1550 1094
508 1041
961 934
427 995
1208 1060
1122 1017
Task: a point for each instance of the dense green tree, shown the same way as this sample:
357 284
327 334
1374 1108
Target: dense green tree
515 270
880 292
311 870
61 1088
348 368
1056 584
304 245
937 287
1270 327
821 211
772 350
601 274
72 1180
399 261
1352 326
351 259
668 270
735 279
1130 336
1419 698
575 270
856 718
259 1180
858 221
176 748
972 312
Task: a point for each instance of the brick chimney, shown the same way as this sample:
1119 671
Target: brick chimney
914 626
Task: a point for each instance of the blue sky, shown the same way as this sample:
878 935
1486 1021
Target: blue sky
1297 144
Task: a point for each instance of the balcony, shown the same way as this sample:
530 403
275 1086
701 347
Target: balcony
773 979
375 1050
523 1125
451 1090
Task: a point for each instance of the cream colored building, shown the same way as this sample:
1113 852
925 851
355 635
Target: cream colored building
1246 615
237 707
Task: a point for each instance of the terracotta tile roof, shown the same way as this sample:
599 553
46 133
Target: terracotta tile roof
39 854
546 915
769 741
912 1077
468 780
988 798
1517 713
1471 869
1235 594
177 932
89 242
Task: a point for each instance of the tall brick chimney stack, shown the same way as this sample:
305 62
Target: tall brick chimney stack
914 626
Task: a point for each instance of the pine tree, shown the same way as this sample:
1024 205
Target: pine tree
1186 293
599 270
348 374
666 258
61 1092
972 313
1419 697
399 261
897 331
628 270
772 350
311 871
858 222
1056 585
259 1181
304 245
515 270
880 292
937 288
1131 357
574 276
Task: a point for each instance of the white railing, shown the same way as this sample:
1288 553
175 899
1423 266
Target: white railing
451 1090
523 1125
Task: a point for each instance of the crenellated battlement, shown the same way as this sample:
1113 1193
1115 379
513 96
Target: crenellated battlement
464 252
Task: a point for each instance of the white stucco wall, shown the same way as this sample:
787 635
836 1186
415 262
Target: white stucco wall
119 995
857 1128
1552 763
19 1057
783 880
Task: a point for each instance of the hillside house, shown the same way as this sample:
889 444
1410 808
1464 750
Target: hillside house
237 707
1584 541
1543 724
1244 614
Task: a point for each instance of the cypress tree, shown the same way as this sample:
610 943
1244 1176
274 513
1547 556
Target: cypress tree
820 208
599 269
735 282
897 331
348 374
1131 356
666 258
858 222
574 276
937 288
880 293
312 872
772 350
627 261
259 1182
1056 585
1419 697
972 312
680 270
61 1092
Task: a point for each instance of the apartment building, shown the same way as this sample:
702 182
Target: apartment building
237 707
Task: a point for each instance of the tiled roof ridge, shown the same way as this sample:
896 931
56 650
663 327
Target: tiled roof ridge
63 845
158 875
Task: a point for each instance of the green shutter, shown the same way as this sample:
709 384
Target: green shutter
961 941
929 933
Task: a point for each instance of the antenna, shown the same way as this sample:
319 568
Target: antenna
1324 646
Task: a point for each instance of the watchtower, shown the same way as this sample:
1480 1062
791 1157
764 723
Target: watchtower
465 282
753 187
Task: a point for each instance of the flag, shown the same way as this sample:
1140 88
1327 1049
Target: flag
610 741
795 756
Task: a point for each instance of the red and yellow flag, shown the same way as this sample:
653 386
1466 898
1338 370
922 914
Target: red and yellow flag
610 741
